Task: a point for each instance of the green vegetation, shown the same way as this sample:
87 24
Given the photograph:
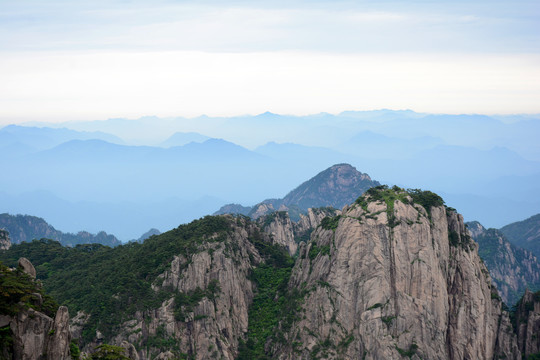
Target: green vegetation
374 306
409 352
330 223
315 250
463 240
6 342
108 352
425 198
274 306
18 291
113 283
270 218
388 320
383 193
74 350
185 302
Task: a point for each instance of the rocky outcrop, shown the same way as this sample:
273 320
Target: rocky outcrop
27 267
209 313
260 210
5 242
394 280
512 268
287 233
527 322
32 334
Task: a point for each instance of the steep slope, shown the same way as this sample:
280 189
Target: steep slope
336 186
525 234
32 326
287 233
396 275
512 268
527 324
184 293
26 228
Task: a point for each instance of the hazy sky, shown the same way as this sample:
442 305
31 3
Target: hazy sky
75 60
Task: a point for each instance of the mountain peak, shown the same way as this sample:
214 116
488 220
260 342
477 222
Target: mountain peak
336 186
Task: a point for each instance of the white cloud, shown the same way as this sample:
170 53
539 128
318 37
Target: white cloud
65 86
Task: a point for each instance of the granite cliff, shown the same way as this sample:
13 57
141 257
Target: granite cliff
527 324
32 326
395 274
394 277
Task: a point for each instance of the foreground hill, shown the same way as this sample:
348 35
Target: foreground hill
395 275
26 228
335 187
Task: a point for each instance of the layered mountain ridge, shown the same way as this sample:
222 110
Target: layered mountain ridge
26 228
395 274
525 234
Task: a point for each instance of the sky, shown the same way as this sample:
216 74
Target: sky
90 60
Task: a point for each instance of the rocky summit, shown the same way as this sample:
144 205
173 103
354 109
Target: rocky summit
335 187
393 275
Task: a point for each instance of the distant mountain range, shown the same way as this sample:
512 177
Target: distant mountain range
125 176
335 187
23 228
525 233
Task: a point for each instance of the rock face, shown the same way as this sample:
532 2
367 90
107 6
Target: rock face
27 267
33 334
213 324
5 242
528 323
27 228
382 283
512 269
286 233
393 275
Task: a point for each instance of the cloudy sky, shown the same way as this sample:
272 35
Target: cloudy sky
85 60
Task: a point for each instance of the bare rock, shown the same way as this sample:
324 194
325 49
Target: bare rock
60 336
386 284
131 352
5 242
528 323
27 267
215 324
30 334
